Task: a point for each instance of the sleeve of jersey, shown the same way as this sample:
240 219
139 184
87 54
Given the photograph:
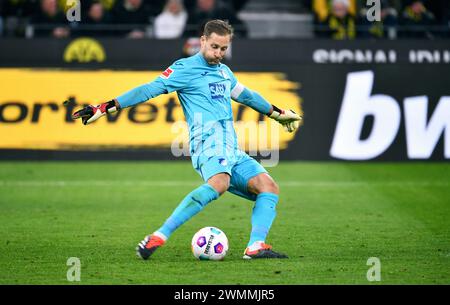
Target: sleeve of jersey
141 94
174 78
250 98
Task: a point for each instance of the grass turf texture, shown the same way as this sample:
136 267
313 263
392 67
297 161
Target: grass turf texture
331 218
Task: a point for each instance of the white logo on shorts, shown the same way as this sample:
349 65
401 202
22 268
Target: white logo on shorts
223 161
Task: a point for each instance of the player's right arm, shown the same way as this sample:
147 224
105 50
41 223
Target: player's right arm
173 78
287 118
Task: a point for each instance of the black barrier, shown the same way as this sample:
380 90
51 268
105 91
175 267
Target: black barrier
255 54
363 100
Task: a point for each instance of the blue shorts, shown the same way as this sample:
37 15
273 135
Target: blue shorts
241 167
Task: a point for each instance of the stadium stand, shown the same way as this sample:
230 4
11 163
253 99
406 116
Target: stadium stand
277 19
400 19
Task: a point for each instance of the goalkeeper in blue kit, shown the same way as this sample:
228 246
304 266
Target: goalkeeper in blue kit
205 88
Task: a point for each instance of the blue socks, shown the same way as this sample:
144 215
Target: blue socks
264 213
193 203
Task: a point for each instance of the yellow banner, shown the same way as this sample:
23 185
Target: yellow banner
32 115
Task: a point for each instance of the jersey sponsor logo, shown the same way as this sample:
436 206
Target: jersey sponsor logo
166 73
217 90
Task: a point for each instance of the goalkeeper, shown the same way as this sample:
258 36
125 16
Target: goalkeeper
205 88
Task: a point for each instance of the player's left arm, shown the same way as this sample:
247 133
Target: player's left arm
174 78
130 98
288 118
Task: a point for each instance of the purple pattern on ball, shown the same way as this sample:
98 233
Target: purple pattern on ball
201 241
218 248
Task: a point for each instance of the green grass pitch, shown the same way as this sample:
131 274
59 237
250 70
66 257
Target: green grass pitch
332 217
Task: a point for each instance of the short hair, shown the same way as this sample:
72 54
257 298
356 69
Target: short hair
219 27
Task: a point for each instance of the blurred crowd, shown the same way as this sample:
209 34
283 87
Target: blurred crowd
350 19
169 19
121 18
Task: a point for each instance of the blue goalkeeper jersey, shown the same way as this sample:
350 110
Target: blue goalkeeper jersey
204 92
201 87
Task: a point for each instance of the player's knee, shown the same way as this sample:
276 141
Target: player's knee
221 186
263 184
271 187
220 183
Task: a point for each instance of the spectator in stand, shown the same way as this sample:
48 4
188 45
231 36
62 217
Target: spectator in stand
441 12
50 21
170 23
208 10
322 8
339 23
132 17
440 9
107 4
416 20
385 28
96 21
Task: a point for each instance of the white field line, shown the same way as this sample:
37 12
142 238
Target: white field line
175 183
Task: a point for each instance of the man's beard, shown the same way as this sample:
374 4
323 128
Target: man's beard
214 61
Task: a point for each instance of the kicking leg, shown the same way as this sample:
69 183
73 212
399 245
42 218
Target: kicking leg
193 203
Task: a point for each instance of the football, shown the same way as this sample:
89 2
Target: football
210 243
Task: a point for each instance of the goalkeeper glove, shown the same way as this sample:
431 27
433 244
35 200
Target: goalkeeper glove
92 113
288 118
